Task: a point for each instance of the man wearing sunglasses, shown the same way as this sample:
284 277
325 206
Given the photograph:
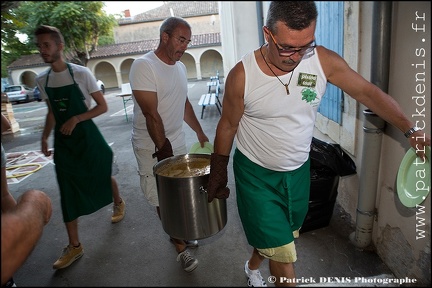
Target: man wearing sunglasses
270 103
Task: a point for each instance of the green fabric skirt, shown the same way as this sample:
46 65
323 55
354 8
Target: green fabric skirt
271 204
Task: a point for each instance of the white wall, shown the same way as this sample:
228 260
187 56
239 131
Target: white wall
399 230
239 30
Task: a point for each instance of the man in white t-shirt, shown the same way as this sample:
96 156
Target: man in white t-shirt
159 88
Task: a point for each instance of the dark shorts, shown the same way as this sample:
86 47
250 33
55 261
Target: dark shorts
271 204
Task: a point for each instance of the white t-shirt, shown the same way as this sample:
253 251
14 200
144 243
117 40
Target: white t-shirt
276 129
149 73
82 75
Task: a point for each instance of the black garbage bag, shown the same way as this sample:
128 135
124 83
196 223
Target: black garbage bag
328 163
324 183
332 156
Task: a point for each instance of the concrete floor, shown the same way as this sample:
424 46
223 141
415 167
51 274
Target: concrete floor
136 252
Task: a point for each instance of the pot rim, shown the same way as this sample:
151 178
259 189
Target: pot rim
188 157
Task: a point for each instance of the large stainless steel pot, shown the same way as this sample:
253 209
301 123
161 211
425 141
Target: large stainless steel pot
183 202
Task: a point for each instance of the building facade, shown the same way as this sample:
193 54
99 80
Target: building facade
138 35
399 234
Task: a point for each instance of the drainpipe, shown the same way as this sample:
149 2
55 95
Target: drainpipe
260 16
373 127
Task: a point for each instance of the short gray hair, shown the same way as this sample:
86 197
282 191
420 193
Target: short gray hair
296 15
171 23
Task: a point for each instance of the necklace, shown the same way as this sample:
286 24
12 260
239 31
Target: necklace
285 84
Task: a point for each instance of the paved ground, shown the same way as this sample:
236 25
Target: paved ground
137 252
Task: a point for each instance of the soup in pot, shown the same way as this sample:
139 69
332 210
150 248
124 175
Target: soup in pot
181 169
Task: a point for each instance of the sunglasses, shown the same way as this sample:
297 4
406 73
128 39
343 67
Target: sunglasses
289 51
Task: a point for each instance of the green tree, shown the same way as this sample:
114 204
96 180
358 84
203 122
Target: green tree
11 47
82 23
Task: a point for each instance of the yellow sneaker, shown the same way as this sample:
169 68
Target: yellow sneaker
118 212
69 255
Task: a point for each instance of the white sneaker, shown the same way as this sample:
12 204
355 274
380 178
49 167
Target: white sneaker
188 262
254 277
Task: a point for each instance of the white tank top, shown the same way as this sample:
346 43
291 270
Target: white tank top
276 129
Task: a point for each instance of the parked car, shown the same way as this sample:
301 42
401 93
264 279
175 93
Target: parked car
36 94
101 86
19 93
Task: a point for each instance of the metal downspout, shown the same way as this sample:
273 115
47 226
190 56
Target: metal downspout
373 126
260 16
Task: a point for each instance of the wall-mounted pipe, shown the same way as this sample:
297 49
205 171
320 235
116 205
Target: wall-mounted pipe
373 127
260 17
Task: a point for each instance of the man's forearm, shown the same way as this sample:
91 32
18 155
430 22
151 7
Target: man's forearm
21 229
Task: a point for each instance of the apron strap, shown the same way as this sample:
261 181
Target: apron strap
71 72
46 82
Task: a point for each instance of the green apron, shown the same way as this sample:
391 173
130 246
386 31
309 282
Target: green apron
83 159
271 204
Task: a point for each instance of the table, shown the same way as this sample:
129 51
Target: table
126 95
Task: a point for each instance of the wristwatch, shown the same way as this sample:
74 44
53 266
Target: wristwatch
412 131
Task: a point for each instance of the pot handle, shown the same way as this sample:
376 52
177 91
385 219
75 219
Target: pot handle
202 189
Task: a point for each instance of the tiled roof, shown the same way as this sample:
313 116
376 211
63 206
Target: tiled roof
182 9
27 61
130 48
122 49
140 47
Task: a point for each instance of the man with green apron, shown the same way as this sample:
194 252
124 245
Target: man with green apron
83 159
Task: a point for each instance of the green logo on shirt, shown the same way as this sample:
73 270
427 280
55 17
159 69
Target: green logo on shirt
308 95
